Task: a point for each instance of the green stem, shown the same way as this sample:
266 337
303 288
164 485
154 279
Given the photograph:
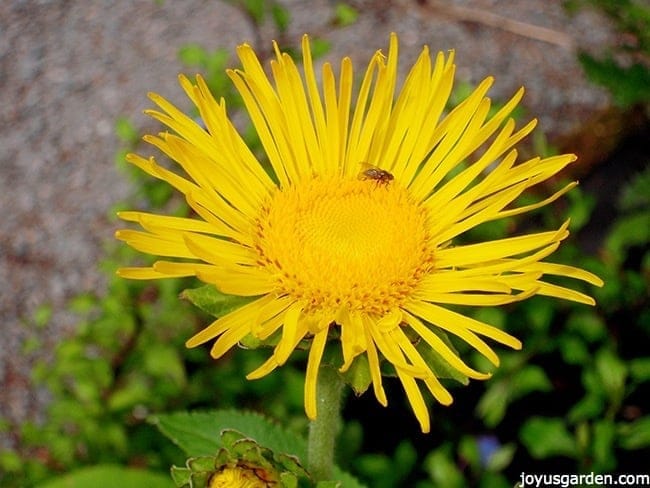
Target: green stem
325 427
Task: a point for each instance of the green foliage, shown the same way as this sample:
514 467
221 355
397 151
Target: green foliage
259 10
213 302
212 66
108 476
345 14
629 85
198 433
201 434
545 437
247 455
623 71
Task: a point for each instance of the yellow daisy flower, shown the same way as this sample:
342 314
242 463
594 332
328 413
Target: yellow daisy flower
238 477
351 236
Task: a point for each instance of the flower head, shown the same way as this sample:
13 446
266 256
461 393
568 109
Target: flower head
240 463
350 235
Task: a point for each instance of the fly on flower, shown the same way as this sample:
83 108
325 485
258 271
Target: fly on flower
304 243
370 172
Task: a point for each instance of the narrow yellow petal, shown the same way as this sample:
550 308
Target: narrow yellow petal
144 273
243 316
565 270
416 400
268 366
178 270
228 339
439 317
441 348
216 251
437 390
352 337
289 333
393 354
156 245
311 375
373 362
557 291
155 223
501 248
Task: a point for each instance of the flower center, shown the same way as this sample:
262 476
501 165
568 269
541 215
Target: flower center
341 242
237 477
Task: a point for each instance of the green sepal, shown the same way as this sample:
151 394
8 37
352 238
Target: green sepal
438 365
201 463
181 476
241 452
434 360
288 480
358 375
213 302
251 342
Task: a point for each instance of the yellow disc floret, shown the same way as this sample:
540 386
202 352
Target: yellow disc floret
345 243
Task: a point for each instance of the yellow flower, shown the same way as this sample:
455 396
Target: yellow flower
238 477
335 248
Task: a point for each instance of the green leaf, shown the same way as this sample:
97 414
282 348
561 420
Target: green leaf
501 458
198 433
628 85
494 480
319 47
581 208
545 437
109 476
468 452
492 405
193 54
213 302
328 484
629 231
603 446
126 131
405 458
347 480
635 435
640 369
255 9
574 350
358 375
636 194
588 325
345 14
530 378
612 373
281 17
134 391
440 367
164 361
442 469
589 407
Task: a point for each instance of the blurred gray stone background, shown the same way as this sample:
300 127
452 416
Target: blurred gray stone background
70 68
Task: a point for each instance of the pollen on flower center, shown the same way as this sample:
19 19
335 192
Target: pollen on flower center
347 242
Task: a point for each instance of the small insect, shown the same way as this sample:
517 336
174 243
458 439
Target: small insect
370 172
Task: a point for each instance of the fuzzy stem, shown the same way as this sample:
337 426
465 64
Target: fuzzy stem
325 427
